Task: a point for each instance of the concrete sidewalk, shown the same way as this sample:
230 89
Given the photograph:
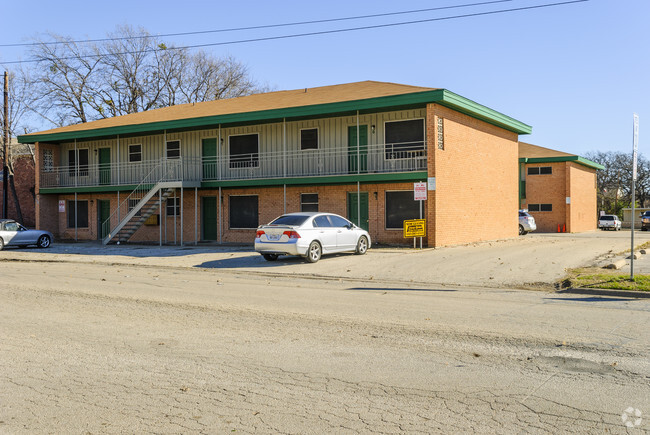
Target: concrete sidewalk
534 260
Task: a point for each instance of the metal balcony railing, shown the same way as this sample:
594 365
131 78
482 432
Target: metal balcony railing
381 158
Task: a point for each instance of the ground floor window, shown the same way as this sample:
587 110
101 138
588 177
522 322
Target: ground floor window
400 206
309 202
540 207
244 212
173 207
80 212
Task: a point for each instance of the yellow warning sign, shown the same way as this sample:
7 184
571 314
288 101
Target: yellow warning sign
415 228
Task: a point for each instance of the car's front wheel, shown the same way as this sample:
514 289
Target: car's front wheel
314 252
270 257
2 243
43 241
362 245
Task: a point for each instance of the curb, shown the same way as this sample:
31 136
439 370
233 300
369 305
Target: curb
605 292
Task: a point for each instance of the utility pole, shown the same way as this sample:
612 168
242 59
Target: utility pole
5 168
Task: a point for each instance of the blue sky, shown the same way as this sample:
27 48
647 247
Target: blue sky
575 73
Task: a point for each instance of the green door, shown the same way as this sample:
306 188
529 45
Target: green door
104 166
103 213
209 153
361 155
209 217
354 199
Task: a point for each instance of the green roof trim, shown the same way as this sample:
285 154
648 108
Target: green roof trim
268 182
577 159
415 99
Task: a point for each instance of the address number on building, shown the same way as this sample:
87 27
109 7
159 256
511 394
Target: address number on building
415 228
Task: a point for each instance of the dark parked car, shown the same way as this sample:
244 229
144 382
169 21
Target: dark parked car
14 234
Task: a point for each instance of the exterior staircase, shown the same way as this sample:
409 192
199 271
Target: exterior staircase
145 211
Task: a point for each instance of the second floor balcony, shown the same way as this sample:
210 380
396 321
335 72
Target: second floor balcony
379 158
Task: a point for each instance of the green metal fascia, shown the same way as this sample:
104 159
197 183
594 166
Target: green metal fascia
415 99
577 159
476 110
310 181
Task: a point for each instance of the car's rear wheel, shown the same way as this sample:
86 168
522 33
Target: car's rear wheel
270 257
362 245
522 232
43 241
314 252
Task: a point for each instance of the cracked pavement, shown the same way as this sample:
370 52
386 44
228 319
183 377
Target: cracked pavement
99 348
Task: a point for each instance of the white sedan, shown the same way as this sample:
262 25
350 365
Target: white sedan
310 235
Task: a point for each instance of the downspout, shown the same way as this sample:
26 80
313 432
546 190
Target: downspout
358 173
284 160
76 179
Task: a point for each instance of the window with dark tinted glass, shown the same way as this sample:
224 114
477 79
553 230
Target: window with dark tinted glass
309 202
81 211
338 221
322 222
400 206
173 149
244 151
80 165
540 170
135 153
404 139
290 220
309 139
173 207
540 207
243 212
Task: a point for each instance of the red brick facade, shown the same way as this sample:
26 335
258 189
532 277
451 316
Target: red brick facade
24 173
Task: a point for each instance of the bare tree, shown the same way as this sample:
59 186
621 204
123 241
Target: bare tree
130 72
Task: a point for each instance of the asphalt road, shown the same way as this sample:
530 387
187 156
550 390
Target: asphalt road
111 348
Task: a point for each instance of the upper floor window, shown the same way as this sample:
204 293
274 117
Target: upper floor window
48 160
540 207
173 149
540 170
135 153
309 139
404 139
244 151
78 161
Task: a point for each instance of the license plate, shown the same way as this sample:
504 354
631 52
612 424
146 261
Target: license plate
274 237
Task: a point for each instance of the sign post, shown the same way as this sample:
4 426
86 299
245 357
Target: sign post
420 194
635 147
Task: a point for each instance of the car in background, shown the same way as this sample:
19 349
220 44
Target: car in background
645 220
14 234
311 235
609 222
526 223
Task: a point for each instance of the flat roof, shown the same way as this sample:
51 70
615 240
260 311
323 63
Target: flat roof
365 97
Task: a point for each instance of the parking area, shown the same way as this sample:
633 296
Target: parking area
534 260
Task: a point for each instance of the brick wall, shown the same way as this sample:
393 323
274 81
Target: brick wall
476 195
24 172
583 210
548 189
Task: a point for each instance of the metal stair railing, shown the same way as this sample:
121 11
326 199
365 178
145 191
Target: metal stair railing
142 193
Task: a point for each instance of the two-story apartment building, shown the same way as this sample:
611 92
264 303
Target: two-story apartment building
558 189
217 170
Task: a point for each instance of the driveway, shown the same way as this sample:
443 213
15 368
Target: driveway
534 260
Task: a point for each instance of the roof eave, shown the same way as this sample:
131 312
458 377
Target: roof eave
577 159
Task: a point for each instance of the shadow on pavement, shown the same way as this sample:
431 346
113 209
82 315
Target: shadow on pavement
592 299
403 289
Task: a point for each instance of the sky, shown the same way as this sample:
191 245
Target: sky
576 72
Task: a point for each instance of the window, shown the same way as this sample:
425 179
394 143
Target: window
132 204
540 170
243 212
309 139
135 153
174 149
404 139
400 206
82 214
338 221
78 165
540 207
244 151
173 207
322 222
48 161
309 202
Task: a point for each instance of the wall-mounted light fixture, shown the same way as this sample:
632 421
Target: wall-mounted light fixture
221 140
375 195
372 127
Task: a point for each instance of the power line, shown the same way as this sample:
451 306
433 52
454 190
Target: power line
266 26
323 32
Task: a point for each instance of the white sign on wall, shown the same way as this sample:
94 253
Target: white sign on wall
420 191
62 206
